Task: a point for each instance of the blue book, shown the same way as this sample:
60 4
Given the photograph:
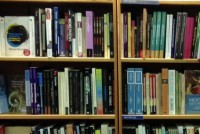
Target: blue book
61 44
3 96
131 90
28 92
56 30
40 86
138 91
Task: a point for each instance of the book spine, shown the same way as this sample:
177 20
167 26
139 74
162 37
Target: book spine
2 37
189 49
82 107
28 92
105 90
56 31
99 91
138 91
171 91
43 34
110 92
163 34
153 33
125 34
71 106
111 35
66 34
129 34
158 32
67 80
37 36
61 43
87 89
51 91
79 34
32 36
40 86
94 91
144 33
131 90
89 33
49 40
165 92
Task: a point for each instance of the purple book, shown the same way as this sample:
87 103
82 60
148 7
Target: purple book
89 33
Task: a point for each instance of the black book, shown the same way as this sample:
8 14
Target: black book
105 90
124 93
111 35
110 92
87 90
71 89
77 91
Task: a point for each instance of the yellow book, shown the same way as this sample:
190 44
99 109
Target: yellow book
97 131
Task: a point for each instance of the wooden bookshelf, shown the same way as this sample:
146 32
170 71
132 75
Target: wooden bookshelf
57 117
179 2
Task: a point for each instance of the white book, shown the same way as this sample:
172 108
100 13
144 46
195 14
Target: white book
94 92
170 34
167 56
78 30
2 37
49 42
20 36
74 49
104 128
60 93
66 70
171 89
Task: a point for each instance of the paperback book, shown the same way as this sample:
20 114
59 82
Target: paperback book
16 93
192 91
3 96
20 36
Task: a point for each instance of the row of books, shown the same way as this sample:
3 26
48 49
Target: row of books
72 91
69 128
168 92
161 129
160 35
47 33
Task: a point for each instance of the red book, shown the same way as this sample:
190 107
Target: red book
191 31
186 41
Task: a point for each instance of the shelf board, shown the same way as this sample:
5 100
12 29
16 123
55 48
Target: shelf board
149 60
179 2
158 117
62 1
56 59
55 117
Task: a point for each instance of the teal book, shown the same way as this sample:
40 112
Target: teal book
153 33
163 34
158 29
99 89
131 90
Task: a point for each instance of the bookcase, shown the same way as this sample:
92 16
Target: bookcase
142 60
17 65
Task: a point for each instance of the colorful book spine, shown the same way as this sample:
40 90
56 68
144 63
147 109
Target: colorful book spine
99 91
165 92
40 86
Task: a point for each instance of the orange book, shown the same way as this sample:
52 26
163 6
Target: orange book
144 26
165 96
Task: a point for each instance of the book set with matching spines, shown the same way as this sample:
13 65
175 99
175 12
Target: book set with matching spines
72 91
168 92
52 33
160 35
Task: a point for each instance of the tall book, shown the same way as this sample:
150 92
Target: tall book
49 28
20 36
171 90
165 92
56 31
131 90
28 92
138 91
89 33
99 91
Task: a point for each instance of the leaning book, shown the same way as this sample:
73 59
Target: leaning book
16 93
3 96
192 91
20 36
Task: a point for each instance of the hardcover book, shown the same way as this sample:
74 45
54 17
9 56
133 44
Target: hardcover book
16 93
20 35
192 92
